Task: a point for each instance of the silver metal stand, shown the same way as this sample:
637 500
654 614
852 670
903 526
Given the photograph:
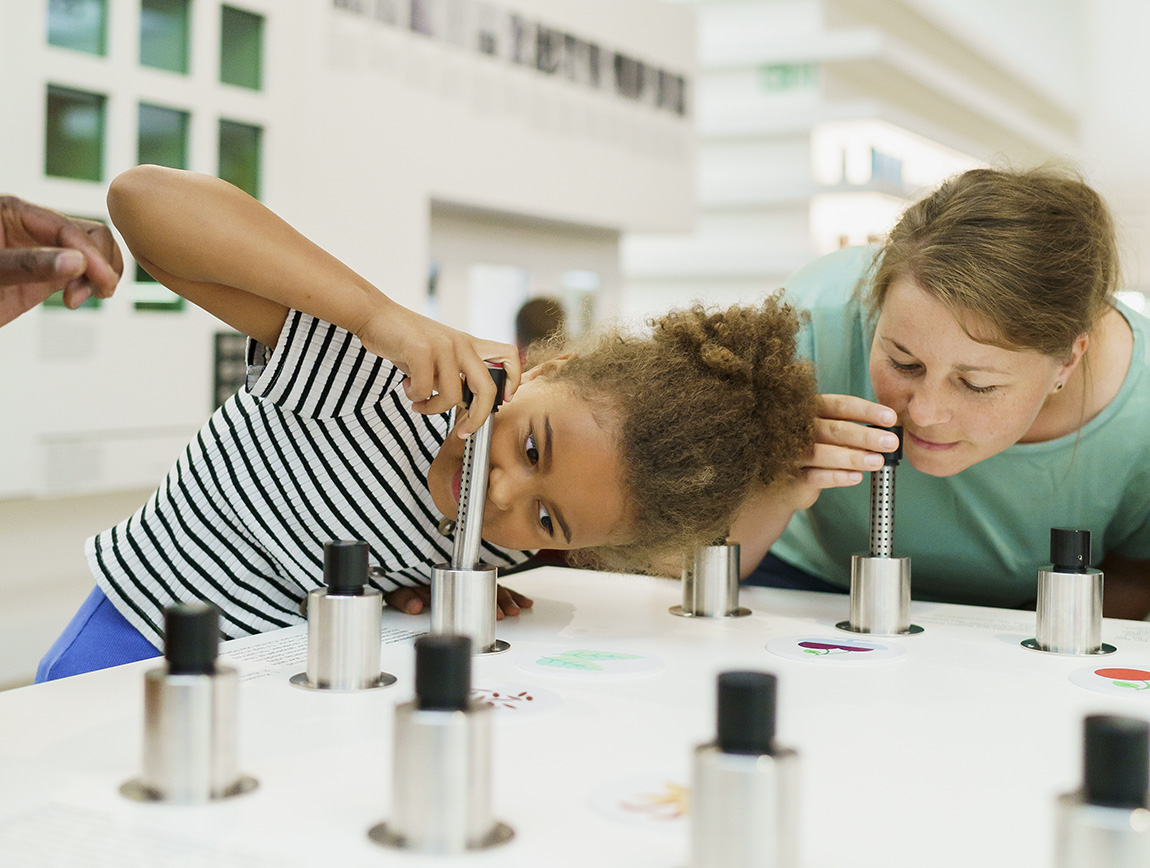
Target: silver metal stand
189 739
463 603
1069 614
189 716
343 644
744 787
441 781
464 592
744 809
880 582
1069 611
711 583
1106 822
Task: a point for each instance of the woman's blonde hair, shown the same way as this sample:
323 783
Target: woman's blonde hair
1031 252
707 405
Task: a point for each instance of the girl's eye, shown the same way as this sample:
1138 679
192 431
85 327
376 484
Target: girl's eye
545 520
532 450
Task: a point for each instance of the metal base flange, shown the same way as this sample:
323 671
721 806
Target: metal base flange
741 612
500 834
498 647
912 630
385 679
1032 645
137 791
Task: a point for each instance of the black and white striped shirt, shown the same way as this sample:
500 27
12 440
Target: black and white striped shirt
321 445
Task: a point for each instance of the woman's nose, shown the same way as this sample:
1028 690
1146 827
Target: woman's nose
926 406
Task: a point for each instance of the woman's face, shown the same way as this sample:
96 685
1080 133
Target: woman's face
554 478
959 401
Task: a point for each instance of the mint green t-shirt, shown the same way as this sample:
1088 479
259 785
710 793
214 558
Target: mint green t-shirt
979 536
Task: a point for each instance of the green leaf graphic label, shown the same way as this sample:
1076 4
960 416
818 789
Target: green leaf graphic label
584 659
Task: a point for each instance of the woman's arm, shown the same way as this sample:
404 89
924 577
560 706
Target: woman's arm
844 447
226 252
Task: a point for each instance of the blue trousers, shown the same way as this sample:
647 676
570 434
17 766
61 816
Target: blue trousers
97 637
772 572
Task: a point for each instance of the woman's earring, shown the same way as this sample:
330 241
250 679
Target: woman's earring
1058 387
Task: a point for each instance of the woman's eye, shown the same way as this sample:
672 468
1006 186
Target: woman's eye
532 450
545 520
979 390
899 366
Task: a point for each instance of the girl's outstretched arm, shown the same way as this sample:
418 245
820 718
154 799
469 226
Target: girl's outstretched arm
224 251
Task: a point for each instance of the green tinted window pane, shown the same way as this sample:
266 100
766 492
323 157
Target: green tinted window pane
164 34
240 156
156 296
74 138
143 276
56 300
163 136
241 47
81 25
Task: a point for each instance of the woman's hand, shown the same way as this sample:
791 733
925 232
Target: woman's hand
414 600
436 359
845 445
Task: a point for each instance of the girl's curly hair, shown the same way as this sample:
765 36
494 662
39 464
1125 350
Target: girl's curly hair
707 406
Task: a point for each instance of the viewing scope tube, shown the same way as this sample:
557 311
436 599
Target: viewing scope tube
463 593
880 582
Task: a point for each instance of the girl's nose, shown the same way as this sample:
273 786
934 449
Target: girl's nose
500 488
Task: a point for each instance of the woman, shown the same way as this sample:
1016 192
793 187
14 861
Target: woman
986 326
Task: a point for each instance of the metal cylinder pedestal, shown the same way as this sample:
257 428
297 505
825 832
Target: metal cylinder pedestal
189 739
1069 614
343 642
1098 836
744 809
880 597
441 780
463 603
1069 611
711 583
1106 822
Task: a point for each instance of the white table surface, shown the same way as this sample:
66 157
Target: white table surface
950 755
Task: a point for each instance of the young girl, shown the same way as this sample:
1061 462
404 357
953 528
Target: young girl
630 448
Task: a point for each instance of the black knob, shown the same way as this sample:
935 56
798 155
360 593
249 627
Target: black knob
747 712
1069 549
191 638
442 672
1117 761
345 567
499 376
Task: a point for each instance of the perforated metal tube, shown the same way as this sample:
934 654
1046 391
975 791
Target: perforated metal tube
882 512
472 497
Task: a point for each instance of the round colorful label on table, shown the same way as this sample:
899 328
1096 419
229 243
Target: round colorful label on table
834 650
1115 680
513 703
588 663
651 800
